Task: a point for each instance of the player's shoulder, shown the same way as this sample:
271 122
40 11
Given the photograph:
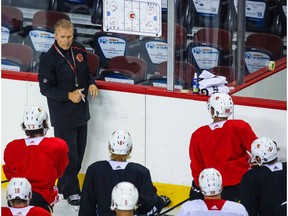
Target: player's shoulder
202 129
237 122
102 164
137 166
256 172
197 204
54 141
234 206
6 211
37 211
16 142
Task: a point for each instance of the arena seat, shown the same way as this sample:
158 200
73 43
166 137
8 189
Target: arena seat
212 14
226 71
93 63
73 6
35 4
181 35
17 57
183 73
125 69
11 24
154 50
260 15
108 45
210 47
260 48
47 19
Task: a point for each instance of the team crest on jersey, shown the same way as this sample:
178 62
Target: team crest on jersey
79 57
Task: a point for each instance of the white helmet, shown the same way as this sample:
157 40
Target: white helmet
124 196
222 104
33 118
19 188
120 143
265 149
210 182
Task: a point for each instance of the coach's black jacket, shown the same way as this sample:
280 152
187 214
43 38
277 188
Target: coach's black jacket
57 79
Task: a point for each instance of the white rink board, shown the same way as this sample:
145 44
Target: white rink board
160 126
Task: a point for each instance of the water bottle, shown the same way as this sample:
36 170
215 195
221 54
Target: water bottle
195 84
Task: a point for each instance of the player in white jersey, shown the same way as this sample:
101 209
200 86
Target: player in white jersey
210 182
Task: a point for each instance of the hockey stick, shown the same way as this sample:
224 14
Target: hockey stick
170 209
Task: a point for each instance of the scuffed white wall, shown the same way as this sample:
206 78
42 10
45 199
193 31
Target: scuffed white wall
160 126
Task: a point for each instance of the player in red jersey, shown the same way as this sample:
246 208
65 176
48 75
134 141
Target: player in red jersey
223 144
18 195
41 160
210 181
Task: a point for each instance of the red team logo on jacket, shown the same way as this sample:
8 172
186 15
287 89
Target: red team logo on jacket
79 57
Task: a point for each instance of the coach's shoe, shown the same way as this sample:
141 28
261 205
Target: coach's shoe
74 200
166 200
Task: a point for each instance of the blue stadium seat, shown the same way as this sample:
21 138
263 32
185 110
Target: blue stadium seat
210 47
108 45
154 50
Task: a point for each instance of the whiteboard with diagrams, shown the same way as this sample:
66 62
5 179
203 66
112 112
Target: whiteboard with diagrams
140 17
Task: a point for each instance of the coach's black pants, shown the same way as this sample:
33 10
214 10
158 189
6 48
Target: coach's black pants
76 139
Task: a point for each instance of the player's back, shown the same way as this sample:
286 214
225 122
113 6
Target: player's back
200 208
28 211
102 176
34 160
274 188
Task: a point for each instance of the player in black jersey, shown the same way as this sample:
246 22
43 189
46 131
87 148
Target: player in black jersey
102 176
263 187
